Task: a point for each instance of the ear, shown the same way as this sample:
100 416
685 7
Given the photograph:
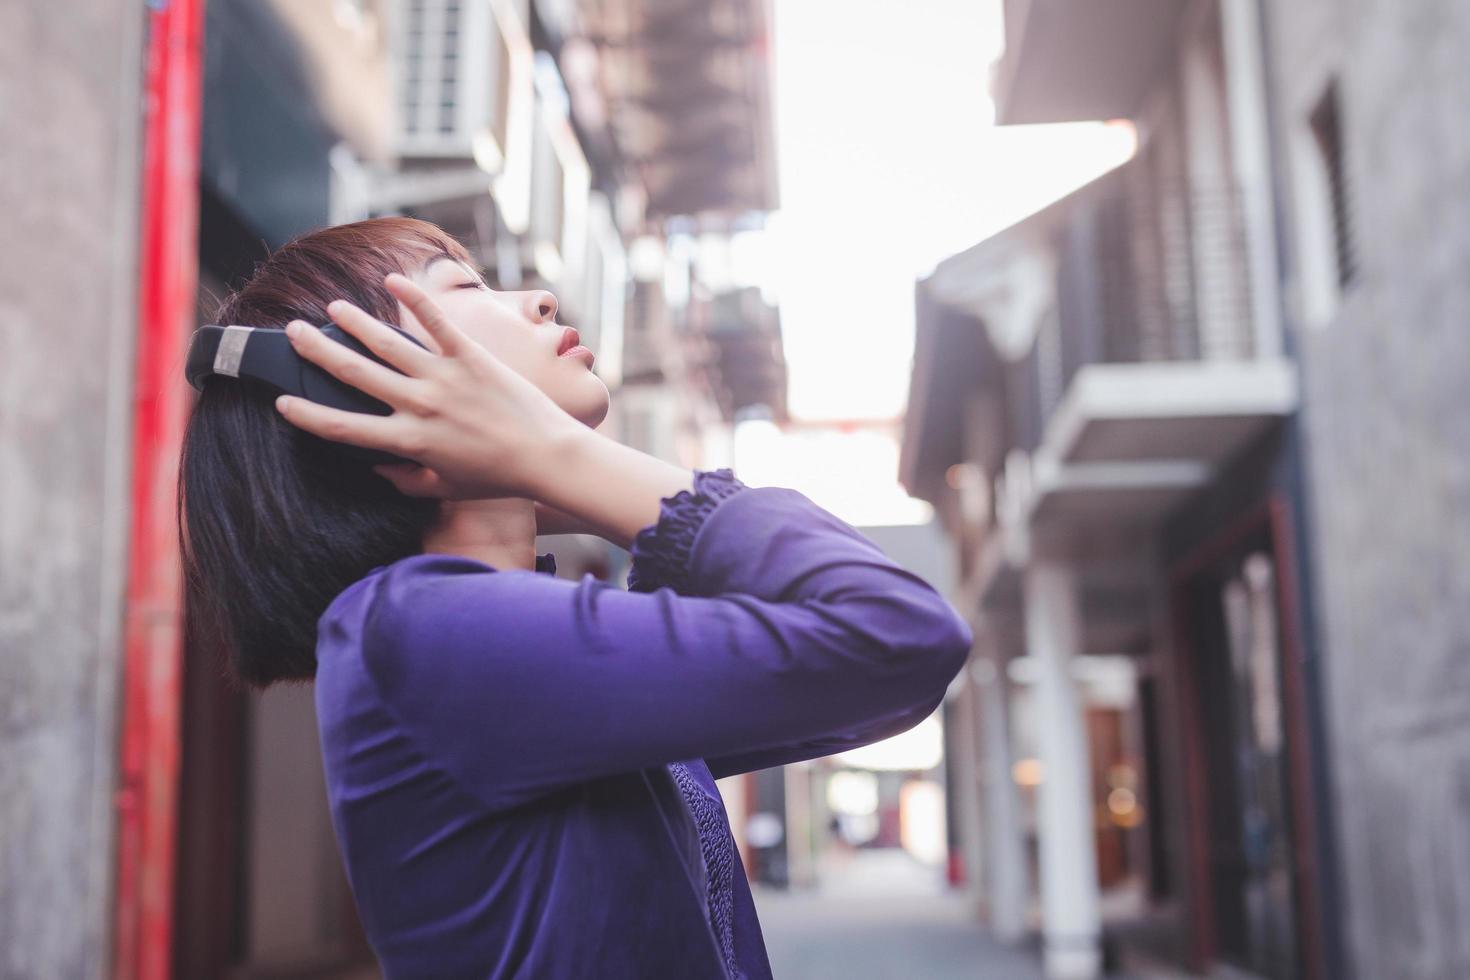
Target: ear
413 480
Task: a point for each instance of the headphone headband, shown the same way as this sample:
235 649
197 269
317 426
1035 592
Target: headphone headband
265 354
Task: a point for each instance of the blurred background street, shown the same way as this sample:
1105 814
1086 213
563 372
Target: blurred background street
1140 328
882 914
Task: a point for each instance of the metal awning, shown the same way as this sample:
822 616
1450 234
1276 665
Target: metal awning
1199 412
1130 442
1071 497
1071 60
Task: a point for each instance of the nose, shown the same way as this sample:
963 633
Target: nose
540 306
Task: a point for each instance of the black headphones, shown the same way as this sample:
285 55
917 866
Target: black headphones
265 354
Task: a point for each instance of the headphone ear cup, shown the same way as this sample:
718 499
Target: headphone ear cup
343 337
320 386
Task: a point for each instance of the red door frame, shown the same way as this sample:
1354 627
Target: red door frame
1273 516
148 764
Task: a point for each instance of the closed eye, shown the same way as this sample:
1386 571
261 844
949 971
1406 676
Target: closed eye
476 284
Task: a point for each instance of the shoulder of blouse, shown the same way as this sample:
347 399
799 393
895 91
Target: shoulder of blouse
424 563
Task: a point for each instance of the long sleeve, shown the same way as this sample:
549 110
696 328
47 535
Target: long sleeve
760 622
661 558
872 730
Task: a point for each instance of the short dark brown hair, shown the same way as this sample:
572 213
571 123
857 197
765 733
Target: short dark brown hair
273 525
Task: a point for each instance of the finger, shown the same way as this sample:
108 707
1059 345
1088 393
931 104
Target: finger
413 480
451 339
355 428
350 367
381 339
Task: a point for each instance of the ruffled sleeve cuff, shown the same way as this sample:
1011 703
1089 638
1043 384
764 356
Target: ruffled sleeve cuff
661 550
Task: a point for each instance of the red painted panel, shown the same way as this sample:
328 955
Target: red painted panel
149 753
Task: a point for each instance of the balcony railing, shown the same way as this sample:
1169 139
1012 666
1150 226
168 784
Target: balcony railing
1147 271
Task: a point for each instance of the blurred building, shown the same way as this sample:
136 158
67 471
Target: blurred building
1194 427
157 820
888 794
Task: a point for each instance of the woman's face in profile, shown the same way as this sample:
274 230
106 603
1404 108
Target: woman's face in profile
518 327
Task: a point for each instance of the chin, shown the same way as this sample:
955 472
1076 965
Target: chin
589 403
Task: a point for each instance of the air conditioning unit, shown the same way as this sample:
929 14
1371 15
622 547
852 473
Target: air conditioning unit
463 78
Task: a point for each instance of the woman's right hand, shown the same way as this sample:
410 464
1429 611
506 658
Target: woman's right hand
478 428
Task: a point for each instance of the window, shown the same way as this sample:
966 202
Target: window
1326 123
1328 260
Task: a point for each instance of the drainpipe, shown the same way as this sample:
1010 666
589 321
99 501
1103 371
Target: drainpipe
147 795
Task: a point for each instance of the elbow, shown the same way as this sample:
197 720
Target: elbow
916 641
945 641
956 641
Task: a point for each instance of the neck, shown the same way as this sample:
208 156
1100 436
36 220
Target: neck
500 532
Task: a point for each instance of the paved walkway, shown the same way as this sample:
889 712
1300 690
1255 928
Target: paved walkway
883 916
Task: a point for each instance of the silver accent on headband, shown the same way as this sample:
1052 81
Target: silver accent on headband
231 349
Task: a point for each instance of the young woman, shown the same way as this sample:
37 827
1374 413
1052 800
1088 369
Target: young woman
521 767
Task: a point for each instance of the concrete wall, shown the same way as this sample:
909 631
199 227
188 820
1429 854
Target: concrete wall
70 116
1386 417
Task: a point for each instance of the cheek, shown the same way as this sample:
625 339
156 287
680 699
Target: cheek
517 349
489 327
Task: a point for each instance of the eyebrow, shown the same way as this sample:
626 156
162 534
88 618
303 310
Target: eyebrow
466 266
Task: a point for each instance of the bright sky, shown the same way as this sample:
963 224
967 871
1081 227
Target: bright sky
889 161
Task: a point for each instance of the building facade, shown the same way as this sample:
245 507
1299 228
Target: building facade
1372 145
1196 450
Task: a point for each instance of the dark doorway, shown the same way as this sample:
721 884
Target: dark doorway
1244 727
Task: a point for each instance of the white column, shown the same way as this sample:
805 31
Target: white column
963 787
799 824
1071 923
1005 842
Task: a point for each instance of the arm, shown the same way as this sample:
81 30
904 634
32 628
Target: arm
652 570
549 520
611 489
520 684
816 748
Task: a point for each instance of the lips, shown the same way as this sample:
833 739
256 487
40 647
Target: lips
569 339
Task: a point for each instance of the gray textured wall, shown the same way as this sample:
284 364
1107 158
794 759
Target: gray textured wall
1387 415
69 126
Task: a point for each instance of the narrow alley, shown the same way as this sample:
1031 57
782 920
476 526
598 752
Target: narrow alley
882 915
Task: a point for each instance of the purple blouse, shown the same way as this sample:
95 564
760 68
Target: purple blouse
521 767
